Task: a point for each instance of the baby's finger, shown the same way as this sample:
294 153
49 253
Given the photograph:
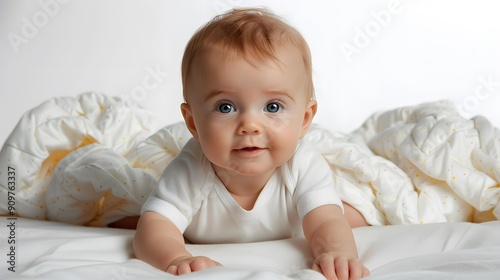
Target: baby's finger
199 264
183 268
172 269
342 268
325 265
366 272
355 269
316 267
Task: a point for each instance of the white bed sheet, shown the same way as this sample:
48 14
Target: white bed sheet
50 250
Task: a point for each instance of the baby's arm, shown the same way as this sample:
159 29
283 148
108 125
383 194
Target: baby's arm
158 242
332 243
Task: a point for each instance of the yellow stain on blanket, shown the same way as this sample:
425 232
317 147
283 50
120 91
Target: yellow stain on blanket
50 163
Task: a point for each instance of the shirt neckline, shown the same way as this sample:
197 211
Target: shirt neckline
234 208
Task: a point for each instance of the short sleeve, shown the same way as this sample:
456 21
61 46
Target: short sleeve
312 177
181 188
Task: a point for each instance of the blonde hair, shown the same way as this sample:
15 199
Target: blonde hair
254 34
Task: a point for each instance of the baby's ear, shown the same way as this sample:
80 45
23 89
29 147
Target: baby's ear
189 120
309 114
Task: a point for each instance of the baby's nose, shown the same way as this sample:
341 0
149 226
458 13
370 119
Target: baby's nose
249 125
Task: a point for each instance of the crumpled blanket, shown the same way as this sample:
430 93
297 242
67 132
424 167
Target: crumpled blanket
93 160
70 157
419 164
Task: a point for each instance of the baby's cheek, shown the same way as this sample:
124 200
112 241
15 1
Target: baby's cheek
282 121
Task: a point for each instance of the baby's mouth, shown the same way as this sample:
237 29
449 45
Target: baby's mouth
249 149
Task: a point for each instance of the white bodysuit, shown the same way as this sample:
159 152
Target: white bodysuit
191 195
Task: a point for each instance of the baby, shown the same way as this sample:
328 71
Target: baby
246 175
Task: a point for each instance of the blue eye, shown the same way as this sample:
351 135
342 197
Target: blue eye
225 108
273 107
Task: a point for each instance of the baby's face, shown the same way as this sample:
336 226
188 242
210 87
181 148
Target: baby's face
248 118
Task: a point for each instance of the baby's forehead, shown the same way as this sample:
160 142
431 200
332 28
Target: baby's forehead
229 71
218 72
283 57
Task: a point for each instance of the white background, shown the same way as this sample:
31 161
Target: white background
423 51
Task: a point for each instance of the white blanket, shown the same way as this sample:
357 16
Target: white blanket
452 163
92 160
90 130
419 164
55 251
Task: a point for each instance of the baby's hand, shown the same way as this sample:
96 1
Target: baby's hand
339 266
187 264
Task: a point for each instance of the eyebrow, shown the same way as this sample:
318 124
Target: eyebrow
214 93
278 92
